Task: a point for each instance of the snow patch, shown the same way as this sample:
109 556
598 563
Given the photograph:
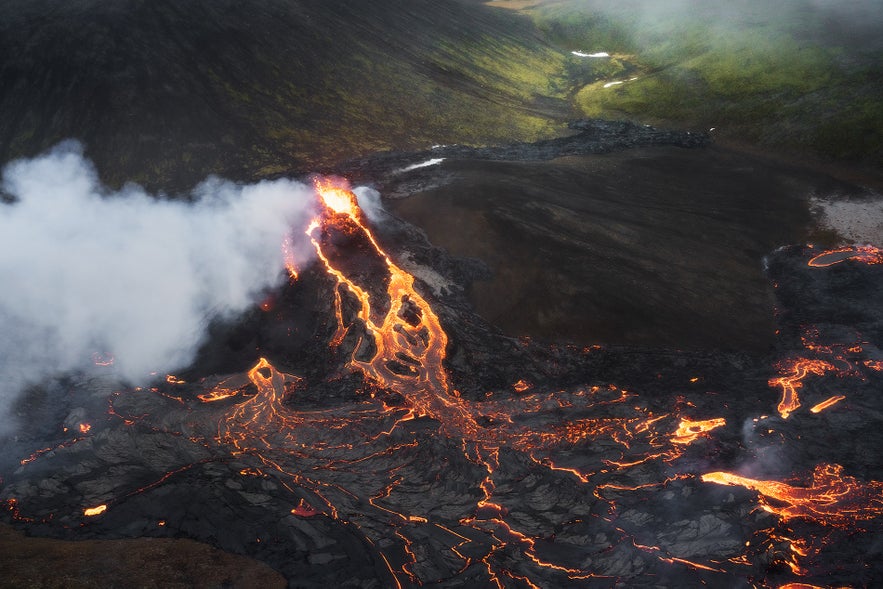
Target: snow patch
857 220
433 162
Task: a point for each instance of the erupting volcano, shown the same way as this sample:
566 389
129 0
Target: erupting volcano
418 446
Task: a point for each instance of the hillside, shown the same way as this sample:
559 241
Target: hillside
164 92
799 76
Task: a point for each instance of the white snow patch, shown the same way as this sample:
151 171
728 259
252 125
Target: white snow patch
618 82
433 162
859 221
598 54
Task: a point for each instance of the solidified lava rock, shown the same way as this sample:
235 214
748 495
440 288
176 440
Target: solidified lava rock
590 136
145 562
573 472
533 463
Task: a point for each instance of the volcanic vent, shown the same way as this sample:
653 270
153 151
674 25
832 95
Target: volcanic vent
388 437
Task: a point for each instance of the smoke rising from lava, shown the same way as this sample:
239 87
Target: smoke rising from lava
85 269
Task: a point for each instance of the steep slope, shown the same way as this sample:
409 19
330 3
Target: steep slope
164 92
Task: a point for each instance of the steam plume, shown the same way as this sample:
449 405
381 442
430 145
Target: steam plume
87 270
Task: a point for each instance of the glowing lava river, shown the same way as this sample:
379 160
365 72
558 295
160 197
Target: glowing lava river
390 438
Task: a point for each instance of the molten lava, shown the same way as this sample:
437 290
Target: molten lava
537 486
866 254
796 371
831 499
93 511
409 342
102 359
688 431
826 404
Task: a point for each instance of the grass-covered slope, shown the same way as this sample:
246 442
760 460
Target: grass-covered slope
802 75
165 91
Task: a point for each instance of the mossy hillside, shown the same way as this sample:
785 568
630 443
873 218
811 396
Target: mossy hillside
166 92
776 75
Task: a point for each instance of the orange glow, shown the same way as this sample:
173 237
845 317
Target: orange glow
338 199
84 428
267 304
832 499
409 342
797 369
102 359
691 564
688 431
93 511
289 258
521 386
866 254
304 509
827 403
171 379
217 394
804 586
612 443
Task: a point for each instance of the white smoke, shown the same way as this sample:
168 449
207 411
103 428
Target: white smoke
370 202
85 270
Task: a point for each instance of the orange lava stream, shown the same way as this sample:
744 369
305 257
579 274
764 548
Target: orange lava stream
102 359
807 586
93 511
250 418
411 338
689 431
831 499
827 403
404 350
289 258
799 369
866 254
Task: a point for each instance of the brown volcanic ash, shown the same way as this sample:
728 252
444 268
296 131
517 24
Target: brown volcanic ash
419 447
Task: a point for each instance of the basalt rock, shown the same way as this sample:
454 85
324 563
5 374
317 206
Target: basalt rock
541 464
385 170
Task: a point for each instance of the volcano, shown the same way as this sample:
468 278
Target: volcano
513 344
403 441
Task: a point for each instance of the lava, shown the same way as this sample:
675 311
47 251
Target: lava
93 511
795 371
409 341
826 404
831 499
102 359
865 254
586 455
689 431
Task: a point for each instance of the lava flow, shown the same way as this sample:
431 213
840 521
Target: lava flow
831 499
409 343
795 371
401 347
373 470
866 254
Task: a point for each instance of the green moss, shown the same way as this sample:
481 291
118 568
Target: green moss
772 76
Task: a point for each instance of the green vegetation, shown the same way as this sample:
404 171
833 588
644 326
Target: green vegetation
166 92
784 75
